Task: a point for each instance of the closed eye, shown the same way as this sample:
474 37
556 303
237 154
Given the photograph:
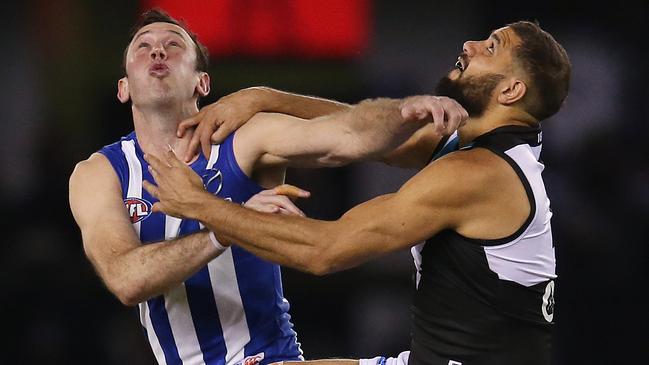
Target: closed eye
143 44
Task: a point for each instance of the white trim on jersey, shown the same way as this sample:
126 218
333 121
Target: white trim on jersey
225 285
214 156
528 259
229 306
182 325
135 191
178 312
145 319
134 175
416 255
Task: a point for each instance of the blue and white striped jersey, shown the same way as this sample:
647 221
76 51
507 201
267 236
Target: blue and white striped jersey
232 310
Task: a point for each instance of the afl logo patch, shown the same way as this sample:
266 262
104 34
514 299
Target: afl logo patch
548 302
137 209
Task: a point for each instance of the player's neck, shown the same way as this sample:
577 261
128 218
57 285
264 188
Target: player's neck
475 127
156 128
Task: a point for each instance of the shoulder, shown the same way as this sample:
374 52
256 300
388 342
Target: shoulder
96 169
463 176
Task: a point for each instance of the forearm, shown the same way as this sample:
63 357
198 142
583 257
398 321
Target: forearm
286 240
374 127
152 269
301 106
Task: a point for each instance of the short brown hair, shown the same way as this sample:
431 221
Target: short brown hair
160 16
547 64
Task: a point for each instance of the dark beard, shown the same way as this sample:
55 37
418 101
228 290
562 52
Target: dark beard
472 92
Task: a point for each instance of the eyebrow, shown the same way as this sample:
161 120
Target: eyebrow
496 38
148 31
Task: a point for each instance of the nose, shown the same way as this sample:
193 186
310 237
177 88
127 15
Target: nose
158 52
469 47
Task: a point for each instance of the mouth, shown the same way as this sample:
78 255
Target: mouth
461 63
159 70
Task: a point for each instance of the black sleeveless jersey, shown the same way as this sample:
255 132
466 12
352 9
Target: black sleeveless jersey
490 302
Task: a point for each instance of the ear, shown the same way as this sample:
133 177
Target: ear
203 86
123 94
511 91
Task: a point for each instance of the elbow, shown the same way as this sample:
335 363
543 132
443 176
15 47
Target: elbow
128 293
325 262
320 268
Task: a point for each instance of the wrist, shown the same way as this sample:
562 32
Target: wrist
260 98
217 244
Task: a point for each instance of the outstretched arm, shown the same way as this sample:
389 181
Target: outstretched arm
366 131
431 201
218 120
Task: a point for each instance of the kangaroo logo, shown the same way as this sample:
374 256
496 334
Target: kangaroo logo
547 308
213 181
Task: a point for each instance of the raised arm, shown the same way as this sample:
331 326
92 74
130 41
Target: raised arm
218 120
132 271
366 131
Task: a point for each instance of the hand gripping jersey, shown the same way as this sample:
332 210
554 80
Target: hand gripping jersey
231 311
484 302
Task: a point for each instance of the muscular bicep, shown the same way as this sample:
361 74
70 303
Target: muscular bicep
97 206
430 202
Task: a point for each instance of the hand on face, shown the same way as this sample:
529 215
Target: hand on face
218 120
179 189
445 113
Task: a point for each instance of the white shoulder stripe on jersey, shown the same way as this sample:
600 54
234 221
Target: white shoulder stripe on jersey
134 175
229 305
214 156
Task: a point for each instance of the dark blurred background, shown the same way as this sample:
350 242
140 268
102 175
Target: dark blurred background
61 64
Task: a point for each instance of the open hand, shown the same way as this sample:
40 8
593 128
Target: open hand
216 121
178 188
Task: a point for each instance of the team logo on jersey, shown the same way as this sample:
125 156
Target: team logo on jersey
548 302
213 181
137 209
252 360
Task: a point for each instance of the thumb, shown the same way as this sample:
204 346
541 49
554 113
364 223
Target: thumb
184 125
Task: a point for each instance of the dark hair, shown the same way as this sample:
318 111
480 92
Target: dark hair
547 64
160 16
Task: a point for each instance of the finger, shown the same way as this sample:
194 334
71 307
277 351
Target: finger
438 116
285 203
157 207
221 133
263 208
172 159
192 148
291 191
153 173
186 124
206 143
155 162
152 189
453 117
